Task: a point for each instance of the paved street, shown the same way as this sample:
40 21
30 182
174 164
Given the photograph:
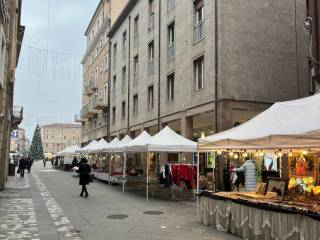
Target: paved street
46 205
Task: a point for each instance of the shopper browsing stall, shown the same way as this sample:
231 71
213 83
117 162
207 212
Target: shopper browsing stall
249 170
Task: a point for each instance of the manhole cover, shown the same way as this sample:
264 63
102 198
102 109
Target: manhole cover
152 212
117 216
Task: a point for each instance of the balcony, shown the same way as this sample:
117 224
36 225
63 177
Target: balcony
88 111
171 52
198 32
78 119
151 23
89 87
98 103
17 116
151 67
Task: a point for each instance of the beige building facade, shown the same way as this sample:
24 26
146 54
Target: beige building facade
57 136
95 102
203 66
11 36
18 141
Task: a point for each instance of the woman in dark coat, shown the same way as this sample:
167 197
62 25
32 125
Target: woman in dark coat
84 176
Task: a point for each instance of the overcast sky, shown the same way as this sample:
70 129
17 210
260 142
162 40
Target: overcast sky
49 85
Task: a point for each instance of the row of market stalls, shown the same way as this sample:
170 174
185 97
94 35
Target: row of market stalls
282 144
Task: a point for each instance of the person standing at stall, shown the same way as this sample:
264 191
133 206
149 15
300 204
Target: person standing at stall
249 170
84 176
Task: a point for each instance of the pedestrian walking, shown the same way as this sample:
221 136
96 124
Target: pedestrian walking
84 176
52 162
74 162
22 166
56 163
44 162
29 163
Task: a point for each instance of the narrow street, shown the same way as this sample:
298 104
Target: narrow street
46 205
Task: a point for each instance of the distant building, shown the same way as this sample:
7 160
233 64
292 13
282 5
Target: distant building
57 136
96 70
18 140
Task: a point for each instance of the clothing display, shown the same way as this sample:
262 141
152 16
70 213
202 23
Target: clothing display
178 173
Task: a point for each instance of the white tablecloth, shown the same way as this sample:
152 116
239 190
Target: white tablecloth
256 224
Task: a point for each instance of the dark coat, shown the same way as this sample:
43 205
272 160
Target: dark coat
22 163
84 171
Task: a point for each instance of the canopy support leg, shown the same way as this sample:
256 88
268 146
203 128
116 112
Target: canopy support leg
124 170
198 184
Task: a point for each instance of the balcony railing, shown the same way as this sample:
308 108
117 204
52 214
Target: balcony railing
171 51
87 110
99 103
78 119
198 32
151 67
136 40
151 23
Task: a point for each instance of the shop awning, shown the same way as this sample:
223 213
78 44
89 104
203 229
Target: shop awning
99 146
139 144
168 140
120 146
286 125
87 148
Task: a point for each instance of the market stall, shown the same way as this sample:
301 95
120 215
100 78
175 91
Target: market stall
100 160
165 141
115 165
66 156
278 207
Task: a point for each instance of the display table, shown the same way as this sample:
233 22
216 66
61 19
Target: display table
251 219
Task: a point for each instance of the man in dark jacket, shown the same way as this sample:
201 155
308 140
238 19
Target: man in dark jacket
22 166
84 176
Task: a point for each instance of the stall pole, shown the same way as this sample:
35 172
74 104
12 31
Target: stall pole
124 169
198 183
110 162
147 193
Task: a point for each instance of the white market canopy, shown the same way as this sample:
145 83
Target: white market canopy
70 150
99 146
120 145
285 125
89 147
112 144
168 140
139 144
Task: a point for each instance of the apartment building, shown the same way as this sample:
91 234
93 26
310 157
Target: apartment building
95 71
11 36
57 136
203 66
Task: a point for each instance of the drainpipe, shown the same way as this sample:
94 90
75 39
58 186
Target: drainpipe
216 66
129 75
109 92
315 37
159 63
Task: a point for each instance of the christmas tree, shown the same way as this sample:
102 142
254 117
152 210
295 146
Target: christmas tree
36 150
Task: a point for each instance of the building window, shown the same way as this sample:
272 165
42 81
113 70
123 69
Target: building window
151 58
171 41
198 69
198 31
115 56
135 104
107 62
136 69
113 115
151 15
150 97
124 79
170 5
123 110
170 87
124 45
136 31
114 82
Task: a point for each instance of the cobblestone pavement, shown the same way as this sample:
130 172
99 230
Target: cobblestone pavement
46 205
17 212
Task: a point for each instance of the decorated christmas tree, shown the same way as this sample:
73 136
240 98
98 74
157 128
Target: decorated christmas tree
36 150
